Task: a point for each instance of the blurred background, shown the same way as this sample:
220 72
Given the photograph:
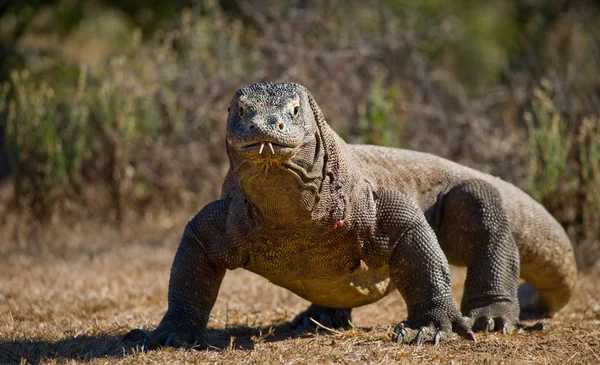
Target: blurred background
112 113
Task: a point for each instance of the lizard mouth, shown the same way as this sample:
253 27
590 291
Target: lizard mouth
268 152
266 147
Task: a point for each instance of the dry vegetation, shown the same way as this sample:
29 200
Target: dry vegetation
75 309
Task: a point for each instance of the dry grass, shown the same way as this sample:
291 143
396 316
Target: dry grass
75 309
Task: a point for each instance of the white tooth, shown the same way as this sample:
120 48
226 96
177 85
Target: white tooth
271 147
262 145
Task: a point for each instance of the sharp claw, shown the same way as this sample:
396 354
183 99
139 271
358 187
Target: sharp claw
399 337
471 336
489 325
505 329
438 338
262 145
271 147
539 326
419 338
399 332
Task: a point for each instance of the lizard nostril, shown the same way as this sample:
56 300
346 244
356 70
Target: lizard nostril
281 125
251 126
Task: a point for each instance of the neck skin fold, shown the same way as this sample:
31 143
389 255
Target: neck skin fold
304 190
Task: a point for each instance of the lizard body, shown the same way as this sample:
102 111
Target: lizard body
343 225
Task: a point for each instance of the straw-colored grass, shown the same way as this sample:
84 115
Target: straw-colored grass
73 308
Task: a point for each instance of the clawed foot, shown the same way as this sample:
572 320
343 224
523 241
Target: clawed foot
162 337
438 330
499 317
486 323
404 334
463 326
328 317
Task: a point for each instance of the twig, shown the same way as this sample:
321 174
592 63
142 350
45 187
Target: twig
326 328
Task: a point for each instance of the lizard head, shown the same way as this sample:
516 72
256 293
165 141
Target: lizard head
268 123
284 157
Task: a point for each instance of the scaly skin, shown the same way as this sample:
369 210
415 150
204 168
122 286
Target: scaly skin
343 225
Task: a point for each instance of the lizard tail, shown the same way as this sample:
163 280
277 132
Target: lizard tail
537 304
550 273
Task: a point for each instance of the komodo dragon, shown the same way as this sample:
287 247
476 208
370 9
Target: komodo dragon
343 225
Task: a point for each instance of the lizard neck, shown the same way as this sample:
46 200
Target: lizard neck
309 189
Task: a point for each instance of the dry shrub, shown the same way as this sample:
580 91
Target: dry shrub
147 123
565 169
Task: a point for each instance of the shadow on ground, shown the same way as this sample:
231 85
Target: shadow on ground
84 348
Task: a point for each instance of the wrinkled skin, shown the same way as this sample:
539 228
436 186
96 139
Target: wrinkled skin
343 225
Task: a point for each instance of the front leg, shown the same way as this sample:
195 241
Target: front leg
420 271
198 269
193 289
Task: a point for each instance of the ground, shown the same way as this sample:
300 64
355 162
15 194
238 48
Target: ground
72 301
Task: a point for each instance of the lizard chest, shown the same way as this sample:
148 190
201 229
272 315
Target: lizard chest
329 270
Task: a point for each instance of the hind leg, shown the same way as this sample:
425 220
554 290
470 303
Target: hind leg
475 232
328 317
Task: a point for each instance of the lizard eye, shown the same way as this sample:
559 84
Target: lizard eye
242 111
296 110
